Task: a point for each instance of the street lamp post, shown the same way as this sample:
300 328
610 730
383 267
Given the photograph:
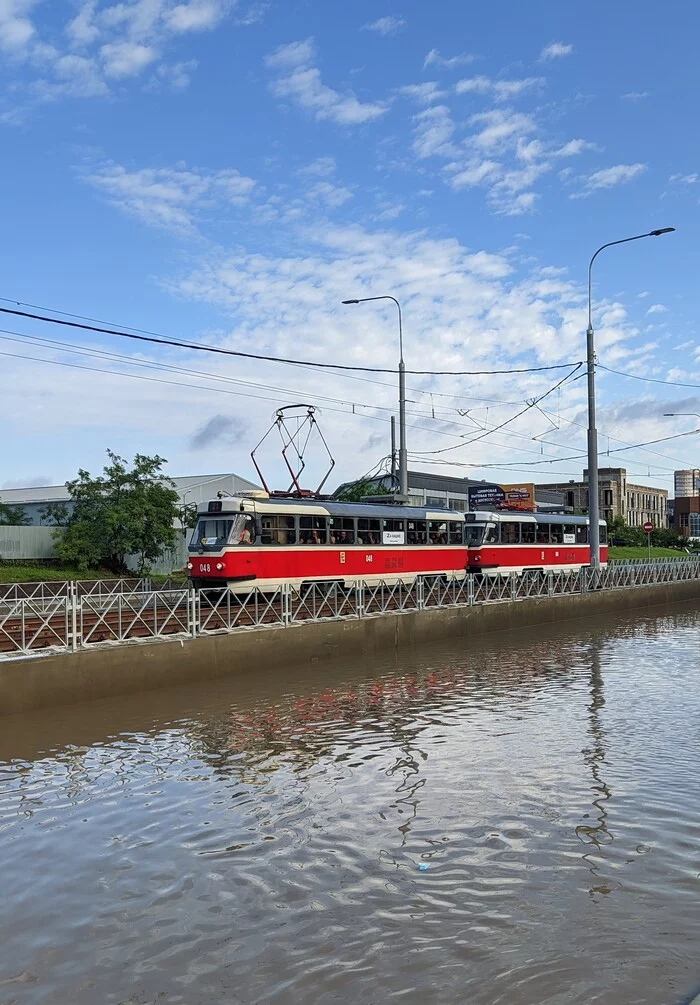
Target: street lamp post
593 501
403 452
696 478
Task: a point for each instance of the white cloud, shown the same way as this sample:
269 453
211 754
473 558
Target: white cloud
82 29
657 309
170 198
435 59
500 127
301 84
685 179
502 90
16 29
328 194
643 294
178 76
635 95
424 94
434 129
555 50
606 178
200 15
322 167
126 59
385 25
573 148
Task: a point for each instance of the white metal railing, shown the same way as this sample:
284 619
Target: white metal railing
79 616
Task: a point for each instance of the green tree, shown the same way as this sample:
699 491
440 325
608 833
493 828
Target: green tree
54 514
13 516
356 491
124 511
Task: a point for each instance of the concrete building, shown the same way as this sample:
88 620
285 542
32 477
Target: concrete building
686 483
191 489
617 497
450 492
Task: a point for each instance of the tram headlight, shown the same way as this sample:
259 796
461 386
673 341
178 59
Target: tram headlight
219 566
190 566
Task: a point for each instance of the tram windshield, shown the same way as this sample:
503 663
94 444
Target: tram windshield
473 534
210 533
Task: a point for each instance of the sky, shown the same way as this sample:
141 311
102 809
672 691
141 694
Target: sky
228 171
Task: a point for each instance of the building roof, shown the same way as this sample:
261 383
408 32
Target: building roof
194 486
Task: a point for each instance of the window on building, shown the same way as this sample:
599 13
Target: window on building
435 501
570 500
313 530
458 505
607 497
342 530
278 529
510 532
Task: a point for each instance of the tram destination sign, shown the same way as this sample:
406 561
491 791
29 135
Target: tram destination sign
508 497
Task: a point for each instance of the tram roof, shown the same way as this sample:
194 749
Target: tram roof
275 504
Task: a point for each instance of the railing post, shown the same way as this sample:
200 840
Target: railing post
420 592
192 612
470 589
583 579
550 583
73 601
286 604
360 599
513 586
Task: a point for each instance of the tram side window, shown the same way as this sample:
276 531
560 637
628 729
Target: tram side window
438 532
543 533
342 530
581 533
417 532
491 536
603 534
456 532
528 533
368 531
278 529
510 532
569 533
313 530
556 531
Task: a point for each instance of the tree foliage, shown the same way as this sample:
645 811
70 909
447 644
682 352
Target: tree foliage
356 491
661 537
13 516
124 511
54 514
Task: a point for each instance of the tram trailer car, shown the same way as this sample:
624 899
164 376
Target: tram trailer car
256 541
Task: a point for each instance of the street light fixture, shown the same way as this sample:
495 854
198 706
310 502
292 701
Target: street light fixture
403 452
696 478
593 501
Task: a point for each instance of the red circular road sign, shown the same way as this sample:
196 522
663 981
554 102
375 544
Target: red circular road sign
648 527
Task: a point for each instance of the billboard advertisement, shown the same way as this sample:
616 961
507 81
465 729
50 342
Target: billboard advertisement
497 497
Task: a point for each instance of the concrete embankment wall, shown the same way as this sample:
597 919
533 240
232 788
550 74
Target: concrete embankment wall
66 678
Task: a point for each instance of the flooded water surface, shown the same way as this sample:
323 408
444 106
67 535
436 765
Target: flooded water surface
510 820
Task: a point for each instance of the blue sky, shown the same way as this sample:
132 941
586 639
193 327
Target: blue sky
228 172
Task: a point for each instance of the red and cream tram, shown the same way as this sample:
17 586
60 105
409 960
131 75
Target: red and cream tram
259 541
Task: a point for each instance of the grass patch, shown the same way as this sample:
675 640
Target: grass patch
20 573
621 553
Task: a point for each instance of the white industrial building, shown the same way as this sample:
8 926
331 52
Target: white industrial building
190 488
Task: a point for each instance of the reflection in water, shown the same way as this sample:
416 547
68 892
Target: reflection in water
594 757
444 827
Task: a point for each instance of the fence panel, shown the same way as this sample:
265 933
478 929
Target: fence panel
29 626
